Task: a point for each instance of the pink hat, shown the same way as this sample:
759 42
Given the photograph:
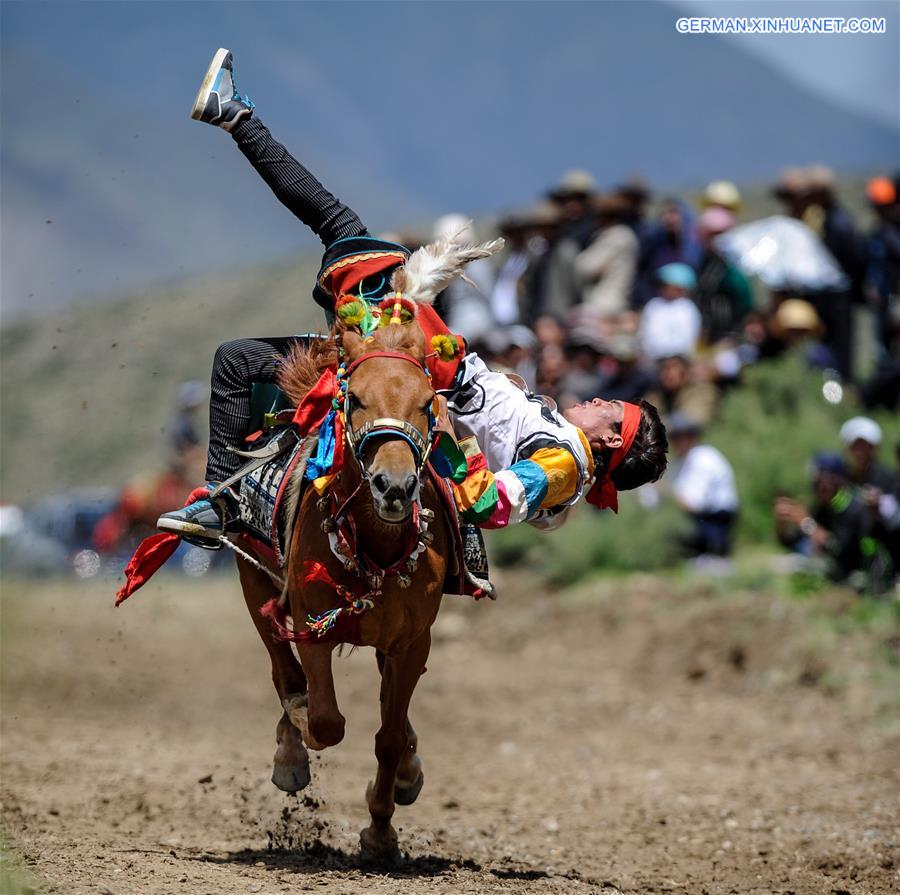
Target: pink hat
716 220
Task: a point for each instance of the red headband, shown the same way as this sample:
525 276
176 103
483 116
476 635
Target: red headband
603 492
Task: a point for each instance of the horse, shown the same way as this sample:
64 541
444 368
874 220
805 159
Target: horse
384 590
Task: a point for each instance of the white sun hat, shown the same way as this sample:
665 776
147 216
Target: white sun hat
861 428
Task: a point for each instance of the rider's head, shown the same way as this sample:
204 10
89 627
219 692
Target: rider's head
608 425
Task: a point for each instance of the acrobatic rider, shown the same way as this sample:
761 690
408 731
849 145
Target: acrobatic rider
526 462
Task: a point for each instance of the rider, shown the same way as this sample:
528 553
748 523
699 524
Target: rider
525 461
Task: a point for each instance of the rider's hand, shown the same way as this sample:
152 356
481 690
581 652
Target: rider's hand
442 417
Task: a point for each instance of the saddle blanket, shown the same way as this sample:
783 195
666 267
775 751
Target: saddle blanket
263 489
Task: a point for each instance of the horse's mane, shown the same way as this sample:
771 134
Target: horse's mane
303 365
301 368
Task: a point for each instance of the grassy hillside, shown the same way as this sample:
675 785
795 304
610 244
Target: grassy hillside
87 393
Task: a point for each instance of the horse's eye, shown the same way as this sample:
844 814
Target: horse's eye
353 400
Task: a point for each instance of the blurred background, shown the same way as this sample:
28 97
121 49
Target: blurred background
602 143
708 222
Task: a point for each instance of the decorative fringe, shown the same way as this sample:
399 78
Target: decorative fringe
396 309
446 347
277 615
351 309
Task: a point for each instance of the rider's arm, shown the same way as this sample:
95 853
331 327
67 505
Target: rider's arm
549 478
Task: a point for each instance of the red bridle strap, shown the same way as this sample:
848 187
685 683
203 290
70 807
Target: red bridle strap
396 355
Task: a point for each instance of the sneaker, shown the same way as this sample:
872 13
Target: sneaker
218 101
201 522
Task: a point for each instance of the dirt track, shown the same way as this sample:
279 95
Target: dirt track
597 742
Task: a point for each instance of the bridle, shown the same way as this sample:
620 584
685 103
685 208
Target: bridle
338 522
385 427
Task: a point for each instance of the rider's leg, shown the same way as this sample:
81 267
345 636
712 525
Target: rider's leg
236 366
294 186
219 103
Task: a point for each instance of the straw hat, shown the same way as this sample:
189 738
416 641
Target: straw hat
574 183
796 315
722 193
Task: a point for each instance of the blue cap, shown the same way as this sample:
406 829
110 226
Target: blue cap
828 462
677 274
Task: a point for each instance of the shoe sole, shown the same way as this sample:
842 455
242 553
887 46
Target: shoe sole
206 84
176 526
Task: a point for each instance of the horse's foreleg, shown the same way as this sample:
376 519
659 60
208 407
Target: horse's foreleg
321 722
287 675
399 677
410 776
290 771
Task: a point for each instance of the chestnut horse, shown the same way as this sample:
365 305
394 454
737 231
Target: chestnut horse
384 492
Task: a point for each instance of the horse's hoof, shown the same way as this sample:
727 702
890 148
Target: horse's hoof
406 794
380 850
291 778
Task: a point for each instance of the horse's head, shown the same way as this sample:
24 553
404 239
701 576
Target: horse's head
390 408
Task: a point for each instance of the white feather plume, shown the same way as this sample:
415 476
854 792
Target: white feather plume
433 267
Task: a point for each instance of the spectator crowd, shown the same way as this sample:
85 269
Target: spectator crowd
594 295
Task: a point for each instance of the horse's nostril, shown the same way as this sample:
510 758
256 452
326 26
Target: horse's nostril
411 482
381 482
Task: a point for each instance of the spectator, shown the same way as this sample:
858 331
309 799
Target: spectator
834 225
676 240
823 214
792 190
572 196
883 257
862 438
511 349
834 529
883 388
704 487
582 379
635 194
875 485
623 375
554 288
721 194
607 266
723 294
671 321
678 393
187 450
797 323
510 284
551 368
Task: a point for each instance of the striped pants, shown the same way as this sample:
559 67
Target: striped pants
238 364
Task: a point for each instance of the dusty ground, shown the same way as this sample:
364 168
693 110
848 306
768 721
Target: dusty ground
639 741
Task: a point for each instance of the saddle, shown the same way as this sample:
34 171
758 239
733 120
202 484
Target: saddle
271 484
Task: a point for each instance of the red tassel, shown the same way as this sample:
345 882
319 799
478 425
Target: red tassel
316 571
277 615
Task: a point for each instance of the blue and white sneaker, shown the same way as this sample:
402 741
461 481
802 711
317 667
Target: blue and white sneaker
202 522
218 101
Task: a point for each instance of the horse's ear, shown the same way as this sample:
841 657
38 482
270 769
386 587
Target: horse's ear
354 345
